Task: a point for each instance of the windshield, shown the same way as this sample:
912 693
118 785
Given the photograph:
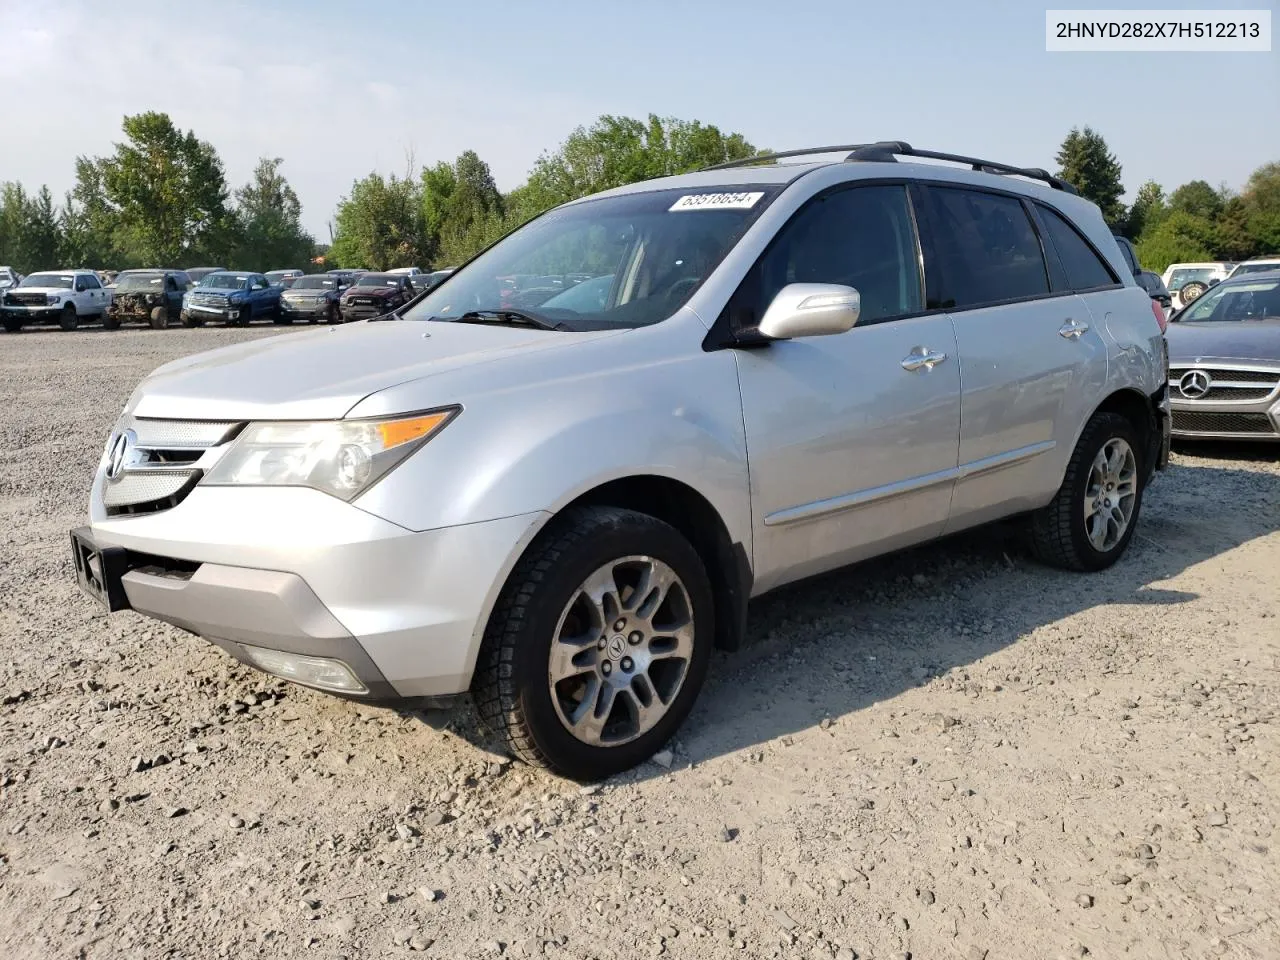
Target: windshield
1256 268
59 280
656 247
1255 300
1187 274
378 280
225 281
140 281
316 283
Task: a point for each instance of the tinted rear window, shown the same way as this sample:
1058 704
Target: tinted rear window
987 247
1085 269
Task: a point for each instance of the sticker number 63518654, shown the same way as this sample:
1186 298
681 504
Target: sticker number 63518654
716 201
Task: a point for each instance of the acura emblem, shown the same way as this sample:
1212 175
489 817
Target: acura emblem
1194 384
123 453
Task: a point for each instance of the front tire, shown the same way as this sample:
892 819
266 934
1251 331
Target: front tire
110 321
242 318
12 324
1092 518
598 645
68 320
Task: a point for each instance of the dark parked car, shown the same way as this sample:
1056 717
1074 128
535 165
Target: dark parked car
424 282
374 294
282 278
313 298
146 296
1148 280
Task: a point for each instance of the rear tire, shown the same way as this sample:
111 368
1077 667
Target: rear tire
159 318
1089 524
68 320
555 617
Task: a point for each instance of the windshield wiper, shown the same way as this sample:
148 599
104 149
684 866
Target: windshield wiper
507 316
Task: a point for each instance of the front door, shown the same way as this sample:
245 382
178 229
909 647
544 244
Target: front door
852 438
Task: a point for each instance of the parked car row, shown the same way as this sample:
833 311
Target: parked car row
199 295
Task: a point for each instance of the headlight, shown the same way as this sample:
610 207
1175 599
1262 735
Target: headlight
339 457
53 298
235 298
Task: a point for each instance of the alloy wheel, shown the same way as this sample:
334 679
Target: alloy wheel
621 651
1110 494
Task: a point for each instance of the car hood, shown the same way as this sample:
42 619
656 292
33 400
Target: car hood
38 290
321 374
371 291
1224 340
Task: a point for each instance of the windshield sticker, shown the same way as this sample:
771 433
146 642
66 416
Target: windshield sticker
716 201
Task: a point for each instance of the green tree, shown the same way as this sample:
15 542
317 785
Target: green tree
1146 211
379 224
1198 199
1085 162
462 210
268 222
619 150
29 234
1179 238
168 192
1260 201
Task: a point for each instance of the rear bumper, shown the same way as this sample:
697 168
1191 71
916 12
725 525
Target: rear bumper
303 573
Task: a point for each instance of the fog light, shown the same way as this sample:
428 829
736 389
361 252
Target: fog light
321 672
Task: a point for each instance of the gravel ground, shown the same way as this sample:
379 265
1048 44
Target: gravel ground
951 753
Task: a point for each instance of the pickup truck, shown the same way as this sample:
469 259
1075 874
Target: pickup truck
64 296
234 297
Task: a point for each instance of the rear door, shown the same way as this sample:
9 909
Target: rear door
1032 357
851 438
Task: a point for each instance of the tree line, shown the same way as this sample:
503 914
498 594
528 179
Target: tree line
162 199
1194 222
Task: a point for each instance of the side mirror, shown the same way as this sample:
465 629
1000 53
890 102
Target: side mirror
811 310
1214 282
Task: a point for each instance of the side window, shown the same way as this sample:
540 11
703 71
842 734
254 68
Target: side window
861 237
987 247
91 283
1085 269
81 284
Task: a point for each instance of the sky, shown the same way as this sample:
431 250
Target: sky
340 89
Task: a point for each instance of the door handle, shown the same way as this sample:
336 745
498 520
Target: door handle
1073 329
922 358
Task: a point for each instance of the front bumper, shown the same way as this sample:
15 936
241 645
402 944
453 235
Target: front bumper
304 310
222 313
1241 402
31 313
365 311
298 571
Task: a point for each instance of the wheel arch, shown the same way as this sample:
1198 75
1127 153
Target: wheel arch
674 502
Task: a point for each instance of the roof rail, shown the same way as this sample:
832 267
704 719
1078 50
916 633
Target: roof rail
887 151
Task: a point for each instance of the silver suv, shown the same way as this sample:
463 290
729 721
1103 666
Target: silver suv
556 480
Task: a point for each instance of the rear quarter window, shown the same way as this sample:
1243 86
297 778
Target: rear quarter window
1086 270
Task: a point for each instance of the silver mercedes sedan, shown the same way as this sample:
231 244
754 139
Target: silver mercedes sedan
1224 362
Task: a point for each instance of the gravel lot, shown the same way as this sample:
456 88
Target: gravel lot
954 753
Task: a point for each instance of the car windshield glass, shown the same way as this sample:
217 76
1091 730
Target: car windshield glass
225 281
1255 268
657 247
59 280
1254 300
140 281
1187 274
316 283
378 280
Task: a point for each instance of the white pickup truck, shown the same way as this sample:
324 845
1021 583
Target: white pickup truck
67 296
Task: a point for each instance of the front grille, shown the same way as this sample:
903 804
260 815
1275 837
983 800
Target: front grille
1226 384
209 299
365 301
1198 422
161 467
29 299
